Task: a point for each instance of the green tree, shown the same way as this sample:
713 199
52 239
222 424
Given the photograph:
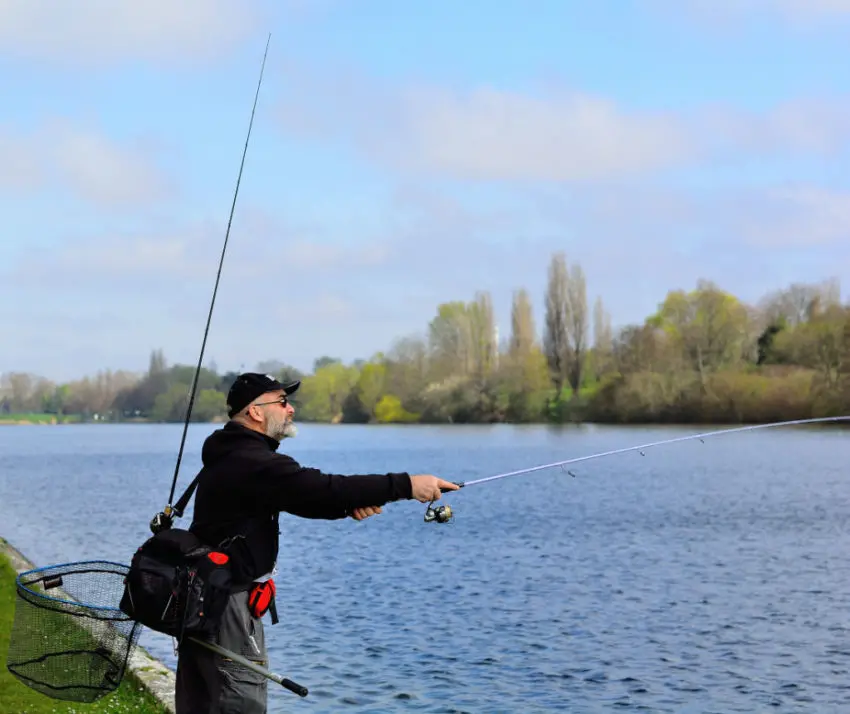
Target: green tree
819 344
390 410
323 394
210 405
325 361
407 370
450 341
370 385
709 326
524 380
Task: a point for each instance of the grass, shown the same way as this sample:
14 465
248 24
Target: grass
129 698
38 418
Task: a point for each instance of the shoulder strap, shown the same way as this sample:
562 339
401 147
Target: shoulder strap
165 519
183 501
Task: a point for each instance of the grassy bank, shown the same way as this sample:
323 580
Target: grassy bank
18 698
38 418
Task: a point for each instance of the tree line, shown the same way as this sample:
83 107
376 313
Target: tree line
704 356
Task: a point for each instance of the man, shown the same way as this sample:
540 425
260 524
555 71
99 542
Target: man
243 486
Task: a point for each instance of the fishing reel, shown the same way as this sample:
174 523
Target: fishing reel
439 514
162 521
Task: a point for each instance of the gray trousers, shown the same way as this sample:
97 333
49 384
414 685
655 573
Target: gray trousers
208 683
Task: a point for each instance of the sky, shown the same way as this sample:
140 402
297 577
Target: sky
402 155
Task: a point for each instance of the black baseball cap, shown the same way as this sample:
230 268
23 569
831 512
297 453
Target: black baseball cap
250 385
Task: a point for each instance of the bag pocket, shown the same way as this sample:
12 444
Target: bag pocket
151 595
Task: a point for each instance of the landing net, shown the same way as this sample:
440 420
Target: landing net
69 639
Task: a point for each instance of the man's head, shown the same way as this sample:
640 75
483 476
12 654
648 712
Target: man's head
259 402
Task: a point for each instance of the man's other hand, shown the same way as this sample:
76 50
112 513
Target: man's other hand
360 513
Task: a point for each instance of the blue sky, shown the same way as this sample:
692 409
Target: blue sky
403 154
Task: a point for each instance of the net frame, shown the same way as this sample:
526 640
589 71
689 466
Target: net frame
111 634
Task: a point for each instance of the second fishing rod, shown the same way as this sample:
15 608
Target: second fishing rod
162 522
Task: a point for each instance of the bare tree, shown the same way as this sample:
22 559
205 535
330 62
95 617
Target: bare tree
482 333
18 388
555 344
603 338
522 325
801 302
576 314
157 363
602 333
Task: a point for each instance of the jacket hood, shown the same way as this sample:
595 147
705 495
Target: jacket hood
234 436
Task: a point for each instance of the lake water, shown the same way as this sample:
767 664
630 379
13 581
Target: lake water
700 577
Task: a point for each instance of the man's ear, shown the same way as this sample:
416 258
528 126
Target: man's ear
258 414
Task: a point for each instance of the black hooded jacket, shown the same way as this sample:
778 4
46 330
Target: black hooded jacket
244 484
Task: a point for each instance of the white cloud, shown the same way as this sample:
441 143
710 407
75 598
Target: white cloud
785 218
124 294
260 248
811 126
83 162
486 133
502 135
797 9
329 308
553 135
17 169
796 216
87 32
717 14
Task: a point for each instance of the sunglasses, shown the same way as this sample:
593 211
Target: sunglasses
283 401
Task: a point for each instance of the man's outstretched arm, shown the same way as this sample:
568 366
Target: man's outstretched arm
287 486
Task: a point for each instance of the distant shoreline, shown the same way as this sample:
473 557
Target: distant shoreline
720 424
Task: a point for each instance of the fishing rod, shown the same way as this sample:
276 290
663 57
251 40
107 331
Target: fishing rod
165 518
443 513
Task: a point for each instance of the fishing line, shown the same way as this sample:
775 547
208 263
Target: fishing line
169 509
442 514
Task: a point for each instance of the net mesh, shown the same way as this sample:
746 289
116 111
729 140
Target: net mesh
69 640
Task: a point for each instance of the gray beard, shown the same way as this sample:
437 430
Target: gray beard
281 429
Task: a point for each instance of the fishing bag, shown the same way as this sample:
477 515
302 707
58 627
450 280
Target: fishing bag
177 585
